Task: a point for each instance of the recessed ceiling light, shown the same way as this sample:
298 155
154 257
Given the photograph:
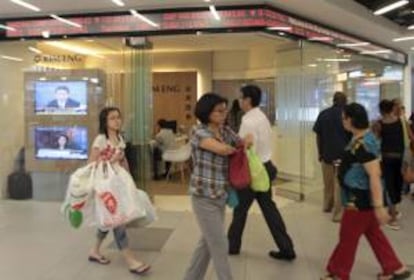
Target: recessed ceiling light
284 28
322 39
66 21
336 59
46 34
26 5
358 44
376 52
143 18
401 39
391 7
7 27
214 12
35 50
12 58
120 3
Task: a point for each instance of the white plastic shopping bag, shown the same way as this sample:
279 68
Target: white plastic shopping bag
142 199
114 197
78 205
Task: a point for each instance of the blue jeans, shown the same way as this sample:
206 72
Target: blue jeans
120 236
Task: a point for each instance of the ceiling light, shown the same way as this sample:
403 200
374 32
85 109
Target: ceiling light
63 78
281 33
74 48
85 78
26 5
284 28
214 12
359 44
411 27
46 34
376 52
12 58
42 79
7 27
336 59
401 39
143 18
313 65
33 49
66 21
120 3
207 0
391 7
323 39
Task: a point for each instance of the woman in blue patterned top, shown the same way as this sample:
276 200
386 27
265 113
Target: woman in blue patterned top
363 200
212 142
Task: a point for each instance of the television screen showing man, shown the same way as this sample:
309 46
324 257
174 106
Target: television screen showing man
62 99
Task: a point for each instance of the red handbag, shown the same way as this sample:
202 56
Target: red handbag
239 172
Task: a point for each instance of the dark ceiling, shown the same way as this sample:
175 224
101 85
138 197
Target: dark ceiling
402 16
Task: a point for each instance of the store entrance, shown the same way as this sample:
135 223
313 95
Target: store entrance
161 78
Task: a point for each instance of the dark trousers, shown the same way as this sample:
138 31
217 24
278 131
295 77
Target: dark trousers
271 214
156 158
391 170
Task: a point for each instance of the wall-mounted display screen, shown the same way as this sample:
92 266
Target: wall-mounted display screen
61 142
60 97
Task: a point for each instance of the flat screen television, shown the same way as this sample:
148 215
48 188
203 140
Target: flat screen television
61 97
61 142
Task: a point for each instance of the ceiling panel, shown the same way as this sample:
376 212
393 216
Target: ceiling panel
403 16
9 9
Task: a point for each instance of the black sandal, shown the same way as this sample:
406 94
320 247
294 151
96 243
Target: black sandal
400 276
101 260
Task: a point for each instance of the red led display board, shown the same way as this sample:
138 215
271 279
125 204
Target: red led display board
254 17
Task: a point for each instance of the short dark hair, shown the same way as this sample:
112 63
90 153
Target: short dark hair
205 106
386 106
65 88
340 98
103 119
162 123
254 93
358 115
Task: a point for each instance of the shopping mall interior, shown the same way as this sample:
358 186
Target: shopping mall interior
155 74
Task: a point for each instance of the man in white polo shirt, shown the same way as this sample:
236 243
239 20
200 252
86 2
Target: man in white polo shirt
256 123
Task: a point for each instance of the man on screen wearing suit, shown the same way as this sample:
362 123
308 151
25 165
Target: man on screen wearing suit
62 100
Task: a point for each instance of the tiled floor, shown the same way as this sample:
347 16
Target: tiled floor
37 244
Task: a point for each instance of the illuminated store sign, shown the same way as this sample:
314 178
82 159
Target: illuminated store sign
231 18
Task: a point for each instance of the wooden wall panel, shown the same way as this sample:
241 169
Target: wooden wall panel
174 97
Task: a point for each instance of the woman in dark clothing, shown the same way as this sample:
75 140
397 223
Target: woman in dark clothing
391 133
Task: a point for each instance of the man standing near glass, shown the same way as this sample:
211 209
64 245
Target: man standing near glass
255 123
331 139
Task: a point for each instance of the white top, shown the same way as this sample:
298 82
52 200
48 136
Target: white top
256 123
101 142
166 140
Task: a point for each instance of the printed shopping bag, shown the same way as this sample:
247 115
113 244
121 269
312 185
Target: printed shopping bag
78 205
114 197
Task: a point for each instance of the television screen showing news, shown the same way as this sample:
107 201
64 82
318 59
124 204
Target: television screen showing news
59 142
61 97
